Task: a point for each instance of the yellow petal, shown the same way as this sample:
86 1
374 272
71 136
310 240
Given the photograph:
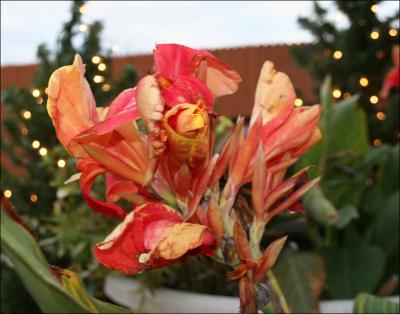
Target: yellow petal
273 93
180 239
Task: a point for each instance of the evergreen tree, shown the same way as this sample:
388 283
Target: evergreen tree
357 57
29 141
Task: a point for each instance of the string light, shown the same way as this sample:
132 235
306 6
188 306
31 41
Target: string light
380 116
96 59
336 93
114 48
61 163
39 100
377 142
43 151
35 144
374 8
393 32
337 54
26 114
24 131
102 66
83 28
82 9
36 93
373 99
7 193
363 81
34 198
298 102
46 90
105 87
98 79
374 35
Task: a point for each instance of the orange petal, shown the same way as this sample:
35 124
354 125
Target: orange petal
259 183
292 199
241 242
269 258
227 152
295 133
71 105
114 161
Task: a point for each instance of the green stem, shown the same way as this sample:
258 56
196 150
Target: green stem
278 291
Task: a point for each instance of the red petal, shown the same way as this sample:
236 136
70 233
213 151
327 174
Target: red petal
123 103
186 89
176 60
118 187
118 250
152 236
90 171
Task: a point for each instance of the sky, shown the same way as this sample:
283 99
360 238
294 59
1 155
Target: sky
134 27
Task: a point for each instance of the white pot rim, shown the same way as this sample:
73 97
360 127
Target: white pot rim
128 292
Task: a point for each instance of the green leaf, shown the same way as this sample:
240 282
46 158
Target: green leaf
348 128
33 269
319 208
367 303
301 278
386 225
346 214
351 270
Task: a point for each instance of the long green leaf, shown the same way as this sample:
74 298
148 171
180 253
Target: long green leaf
33 269
351 270
367 303
301 278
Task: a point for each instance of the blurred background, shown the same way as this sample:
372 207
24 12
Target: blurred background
337 53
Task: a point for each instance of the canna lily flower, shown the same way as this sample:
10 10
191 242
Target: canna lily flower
108 142
183 76
152 236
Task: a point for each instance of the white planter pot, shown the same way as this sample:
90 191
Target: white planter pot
129 293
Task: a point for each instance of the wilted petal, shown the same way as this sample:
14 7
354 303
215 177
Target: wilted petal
274 93
180 240
151 107
153 236
71 105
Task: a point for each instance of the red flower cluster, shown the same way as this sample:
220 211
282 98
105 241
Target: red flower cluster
170 174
